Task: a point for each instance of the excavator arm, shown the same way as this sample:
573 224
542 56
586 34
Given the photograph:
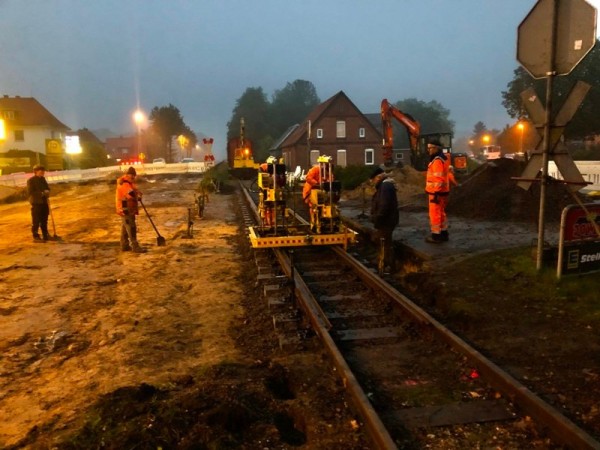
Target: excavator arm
413 128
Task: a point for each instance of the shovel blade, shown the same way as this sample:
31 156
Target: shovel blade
161 241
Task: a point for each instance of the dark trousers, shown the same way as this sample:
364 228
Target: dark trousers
128 230
388 257
39 219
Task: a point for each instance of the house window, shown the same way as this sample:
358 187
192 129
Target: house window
314 155
340 129
369 157
361 132
319 133
9 115
19 135
399 156
341 158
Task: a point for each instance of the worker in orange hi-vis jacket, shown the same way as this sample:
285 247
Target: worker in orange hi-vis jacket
437 187
318 174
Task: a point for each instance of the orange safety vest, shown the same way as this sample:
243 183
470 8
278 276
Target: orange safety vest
313 178
126 203
437 176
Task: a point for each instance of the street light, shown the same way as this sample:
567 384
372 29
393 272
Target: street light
2 130
138 118
486 139
521 127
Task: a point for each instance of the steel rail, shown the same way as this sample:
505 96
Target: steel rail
562 429
375 427
559 427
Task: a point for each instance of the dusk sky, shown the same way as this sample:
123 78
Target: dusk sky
91 63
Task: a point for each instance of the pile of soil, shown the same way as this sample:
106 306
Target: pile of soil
491 193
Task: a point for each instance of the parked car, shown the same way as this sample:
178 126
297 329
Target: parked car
159 161
187 160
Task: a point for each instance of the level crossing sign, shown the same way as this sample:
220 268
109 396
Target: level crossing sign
563 160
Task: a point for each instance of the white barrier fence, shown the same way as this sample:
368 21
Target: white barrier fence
65 176
590 170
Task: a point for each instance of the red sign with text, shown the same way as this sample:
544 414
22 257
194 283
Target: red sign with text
577 225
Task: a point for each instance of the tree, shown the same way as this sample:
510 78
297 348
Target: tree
254 108
586 121
291 105
266 121
166 122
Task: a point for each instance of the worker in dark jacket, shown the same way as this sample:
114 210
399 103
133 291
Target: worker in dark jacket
39 191
384 215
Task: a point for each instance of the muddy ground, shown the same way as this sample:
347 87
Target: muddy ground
173 348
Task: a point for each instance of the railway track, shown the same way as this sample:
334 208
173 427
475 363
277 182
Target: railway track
414 382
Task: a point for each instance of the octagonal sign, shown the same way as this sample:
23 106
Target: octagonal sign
575 36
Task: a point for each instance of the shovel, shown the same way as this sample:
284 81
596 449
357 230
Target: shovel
160 241
55 236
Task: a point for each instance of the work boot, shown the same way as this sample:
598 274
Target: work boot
37 239
445 235
125 248
435 238
136 248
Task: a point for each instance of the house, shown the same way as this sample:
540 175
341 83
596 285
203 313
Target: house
334 128
400 155
32 135
123 149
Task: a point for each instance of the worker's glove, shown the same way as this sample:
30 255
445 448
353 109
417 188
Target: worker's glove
435 199
46 193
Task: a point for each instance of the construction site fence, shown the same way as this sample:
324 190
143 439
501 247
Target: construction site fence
590 170
78 175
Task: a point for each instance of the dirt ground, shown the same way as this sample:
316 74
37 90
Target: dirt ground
172 348
175 348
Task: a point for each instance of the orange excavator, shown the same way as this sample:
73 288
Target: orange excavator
413 128
418 142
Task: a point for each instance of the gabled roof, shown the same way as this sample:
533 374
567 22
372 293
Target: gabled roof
277 144
315 115
27 112
86 135
375 119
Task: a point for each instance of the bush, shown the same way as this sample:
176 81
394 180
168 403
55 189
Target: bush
352 176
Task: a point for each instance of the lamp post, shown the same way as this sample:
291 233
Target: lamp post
138 119
521 127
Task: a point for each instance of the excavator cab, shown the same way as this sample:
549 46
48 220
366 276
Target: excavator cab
420 157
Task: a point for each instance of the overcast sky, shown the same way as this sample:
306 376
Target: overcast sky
91 63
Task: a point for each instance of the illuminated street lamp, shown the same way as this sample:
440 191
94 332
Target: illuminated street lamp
138 118
2 130
486 139
521 127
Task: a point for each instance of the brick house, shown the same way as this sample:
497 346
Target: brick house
31 132
338 129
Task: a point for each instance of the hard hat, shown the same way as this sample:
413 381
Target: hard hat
324 159
271 160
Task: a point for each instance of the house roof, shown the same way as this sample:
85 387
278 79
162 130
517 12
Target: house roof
283 137
86 135
319 111
27 112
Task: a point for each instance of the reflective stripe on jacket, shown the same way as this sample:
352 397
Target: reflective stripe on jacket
437 176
